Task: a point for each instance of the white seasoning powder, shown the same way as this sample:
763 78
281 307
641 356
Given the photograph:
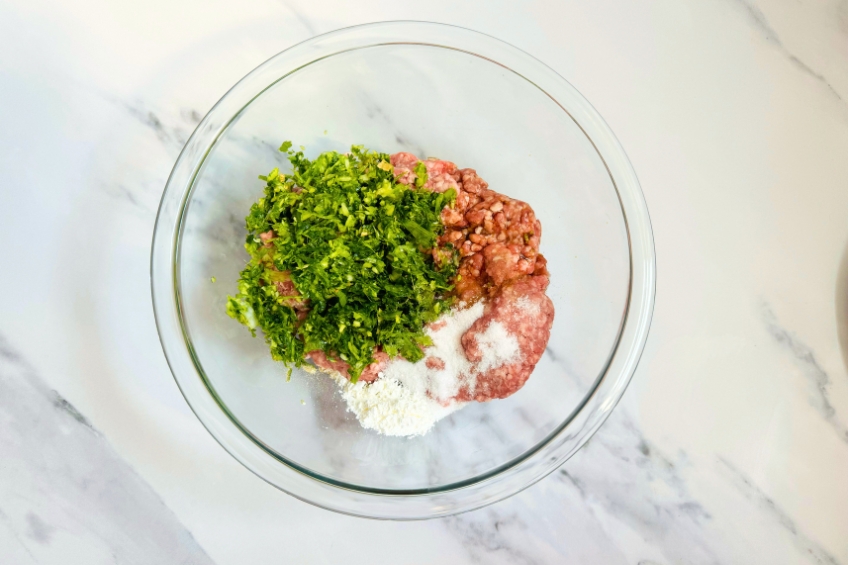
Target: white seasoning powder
528 305
409 398
441 384
389 408
497 346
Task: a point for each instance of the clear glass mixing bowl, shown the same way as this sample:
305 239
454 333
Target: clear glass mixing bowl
433 90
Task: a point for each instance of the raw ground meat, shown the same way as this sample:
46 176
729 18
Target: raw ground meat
528 314
498 242
441 175
369 373
497 236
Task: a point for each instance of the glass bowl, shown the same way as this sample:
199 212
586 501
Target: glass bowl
433 90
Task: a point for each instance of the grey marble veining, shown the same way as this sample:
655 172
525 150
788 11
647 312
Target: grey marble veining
759 21
730 445
625 480
805 358
805 546
64 490
624 463
592 491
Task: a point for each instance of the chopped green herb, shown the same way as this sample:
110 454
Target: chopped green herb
213 279
356 245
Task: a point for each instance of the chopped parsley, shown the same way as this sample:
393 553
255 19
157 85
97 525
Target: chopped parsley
356 244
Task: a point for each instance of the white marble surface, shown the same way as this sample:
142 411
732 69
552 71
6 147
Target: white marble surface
731 444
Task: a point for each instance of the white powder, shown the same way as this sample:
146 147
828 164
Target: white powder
389 408
442 384
498 347
528 305
409 398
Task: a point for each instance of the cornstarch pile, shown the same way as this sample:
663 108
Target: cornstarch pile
409 398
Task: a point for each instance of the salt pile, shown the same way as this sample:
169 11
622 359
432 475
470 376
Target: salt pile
409 398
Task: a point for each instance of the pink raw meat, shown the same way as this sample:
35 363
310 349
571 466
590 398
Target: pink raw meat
526 313
369 374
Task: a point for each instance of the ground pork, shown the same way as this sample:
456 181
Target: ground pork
525 312
497 238
369 373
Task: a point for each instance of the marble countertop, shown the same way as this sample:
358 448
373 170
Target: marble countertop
731 443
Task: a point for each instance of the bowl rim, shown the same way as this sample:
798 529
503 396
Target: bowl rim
487 488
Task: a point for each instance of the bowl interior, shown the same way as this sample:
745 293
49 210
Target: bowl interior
431 101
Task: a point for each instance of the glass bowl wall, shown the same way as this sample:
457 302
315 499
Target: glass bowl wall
432 90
